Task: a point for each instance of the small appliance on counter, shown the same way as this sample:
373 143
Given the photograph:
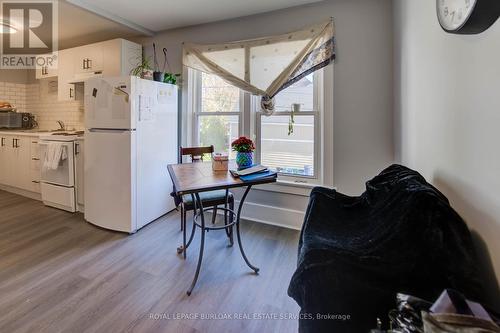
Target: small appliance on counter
17 120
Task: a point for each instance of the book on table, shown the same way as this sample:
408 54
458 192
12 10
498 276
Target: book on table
248 171
259 175
253 173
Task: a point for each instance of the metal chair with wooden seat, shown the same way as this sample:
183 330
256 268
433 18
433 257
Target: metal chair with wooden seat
208 199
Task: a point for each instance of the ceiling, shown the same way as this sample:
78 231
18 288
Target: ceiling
89 21
78 27
157 15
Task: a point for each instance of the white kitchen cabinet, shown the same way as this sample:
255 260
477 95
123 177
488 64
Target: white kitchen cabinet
88 59
116 57
35 165
9 176
120 57
15 159
23 161
48 70
65 89
5 160
79 164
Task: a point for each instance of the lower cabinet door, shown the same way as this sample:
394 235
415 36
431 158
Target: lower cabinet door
23 163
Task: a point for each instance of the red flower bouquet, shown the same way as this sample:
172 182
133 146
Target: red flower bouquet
243 145
244 148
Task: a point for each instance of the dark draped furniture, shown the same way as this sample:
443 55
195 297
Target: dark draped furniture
356 253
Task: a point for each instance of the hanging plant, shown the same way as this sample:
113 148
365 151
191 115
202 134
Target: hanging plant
171 78
291 121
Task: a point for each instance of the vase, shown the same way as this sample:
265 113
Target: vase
244 159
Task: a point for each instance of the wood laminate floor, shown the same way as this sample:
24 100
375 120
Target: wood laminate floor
61 274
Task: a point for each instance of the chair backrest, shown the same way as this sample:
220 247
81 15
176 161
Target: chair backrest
196 153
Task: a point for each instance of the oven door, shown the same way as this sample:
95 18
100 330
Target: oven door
64 175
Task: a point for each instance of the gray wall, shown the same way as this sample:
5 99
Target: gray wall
363 131
447 109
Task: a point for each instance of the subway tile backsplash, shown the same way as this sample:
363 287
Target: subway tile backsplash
15 94
40 99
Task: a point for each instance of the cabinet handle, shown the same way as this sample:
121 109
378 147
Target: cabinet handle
35 159
3 142
13 143
35 181
77 148
89 63
83 65
71 93
34 141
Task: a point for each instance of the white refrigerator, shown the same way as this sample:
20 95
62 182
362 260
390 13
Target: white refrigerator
130 138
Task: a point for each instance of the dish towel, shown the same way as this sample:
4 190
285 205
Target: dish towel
56 153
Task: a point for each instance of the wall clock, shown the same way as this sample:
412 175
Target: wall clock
467 16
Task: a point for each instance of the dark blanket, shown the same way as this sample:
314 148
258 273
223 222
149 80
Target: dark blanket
356 253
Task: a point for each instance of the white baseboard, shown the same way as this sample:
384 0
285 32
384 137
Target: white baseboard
281 217
24 193
278 216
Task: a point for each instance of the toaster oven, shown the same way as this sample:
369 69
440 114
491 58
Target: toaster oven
13 120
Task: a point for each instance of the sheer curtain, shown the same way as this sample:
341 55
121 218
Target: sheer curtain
267 65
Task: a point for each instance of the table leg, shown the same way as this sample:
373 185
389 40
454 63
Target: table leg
226 221
255 269
214 214
231 240
184 246
183 217
202 244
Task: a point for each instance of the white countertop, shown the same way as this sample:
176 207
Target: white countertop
31 133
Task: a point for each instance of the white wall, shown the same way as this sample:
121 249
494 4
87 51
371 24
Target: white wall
447 107
363 135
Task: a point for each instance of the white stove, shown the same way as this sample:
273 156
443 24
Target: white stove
57 155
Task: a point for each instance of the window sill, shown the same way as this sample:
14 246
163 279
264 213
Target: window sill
289 187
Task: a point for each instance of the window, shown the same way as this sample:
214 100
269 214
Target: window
295 154
217 121
222 113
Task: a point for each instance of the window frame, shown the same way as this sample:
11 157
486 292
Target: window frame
197 108
249 125
317 114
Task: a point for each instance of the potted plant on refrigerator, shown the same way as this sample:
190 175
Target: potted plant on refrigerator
143 68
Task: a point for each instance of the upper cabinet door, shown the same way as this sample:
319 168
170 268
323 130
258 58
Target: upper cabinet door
120 57
131 56
89 59
65 90
49 68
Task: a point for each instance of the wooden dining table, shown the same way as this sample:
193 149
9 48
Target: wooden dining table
195 178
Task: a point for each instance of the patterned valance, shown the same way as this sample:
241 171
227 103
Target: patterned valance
265 66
